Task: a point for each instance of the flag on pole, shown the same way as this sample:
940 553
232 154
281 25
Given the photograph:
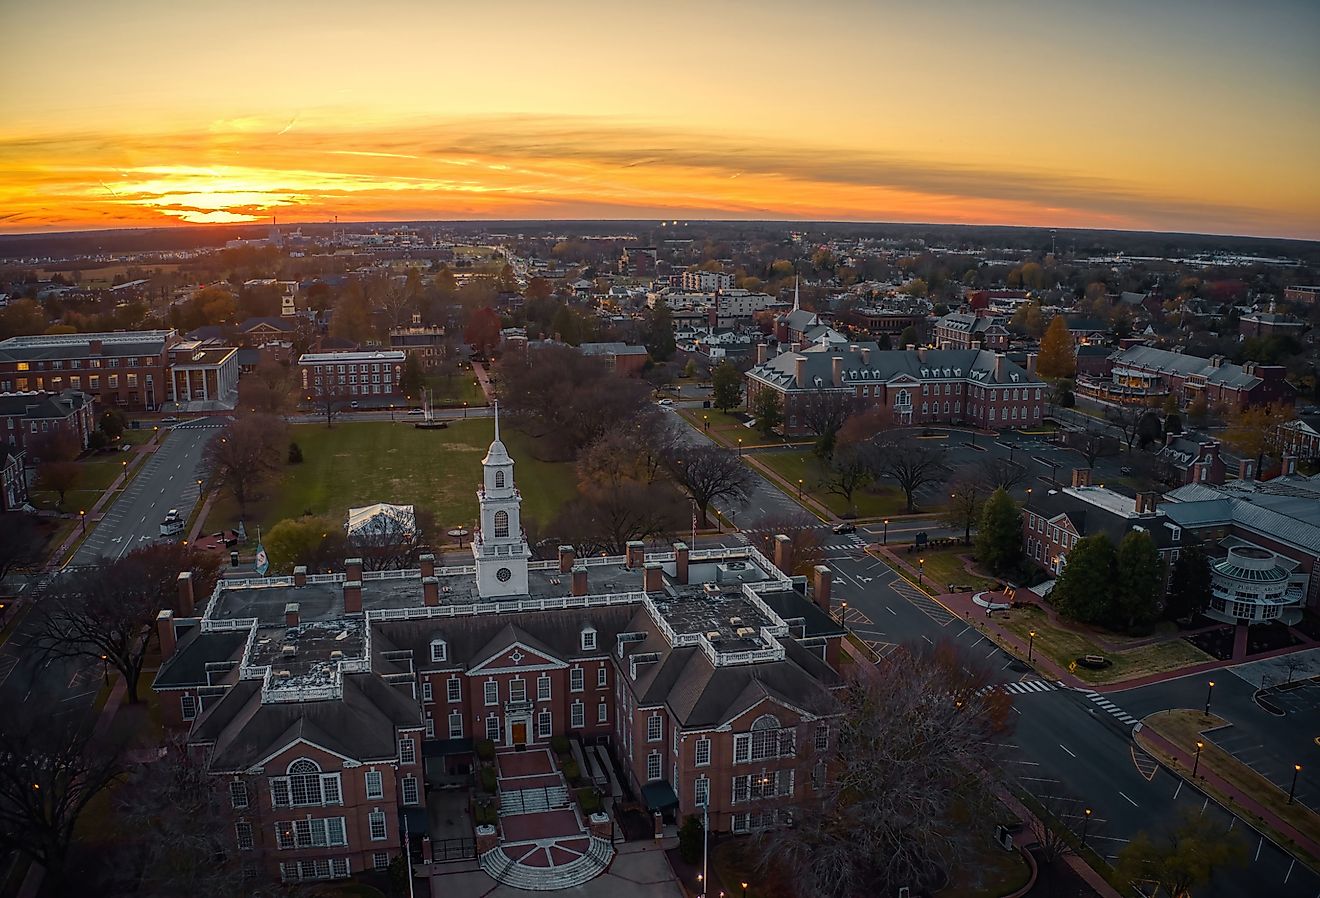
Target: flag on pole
263 561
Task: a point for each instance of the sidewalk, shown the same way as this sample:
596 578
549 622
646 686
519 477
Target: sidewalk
484 380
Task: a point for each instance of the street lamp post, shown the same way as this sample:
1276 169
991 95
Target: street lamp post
1292 790
740 445
1196 762
885 539
391 412
464 409
82 515
705 423
921 569
799 488
105 670
843 612
1031 642
744 888
1210 691
705 847
1086 820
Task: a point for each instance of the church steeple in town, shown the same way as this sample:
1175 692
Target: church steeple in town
500 548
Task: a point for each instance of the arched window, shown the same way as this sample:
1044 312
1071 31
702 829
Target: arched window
499 480
305 782
765 737
501 523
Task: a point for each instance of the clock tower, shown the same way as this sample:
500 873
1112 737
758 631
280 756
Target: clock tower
500 547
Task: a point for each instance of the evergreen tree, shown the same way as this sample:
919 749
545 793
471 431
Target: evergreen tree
1140 576
1085 589
413 378
999 537
1058 358
1189 584
727 385
768 410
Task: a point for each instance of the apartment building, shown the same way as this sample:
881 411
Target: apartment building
701 281
317 697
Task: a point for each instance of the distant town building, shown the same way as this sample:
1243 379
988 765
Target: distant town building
1270 324
426 342
27 417
964 330
1306 295
638 261
621 358
352 374
699 280
1141 374
1185 459
125 369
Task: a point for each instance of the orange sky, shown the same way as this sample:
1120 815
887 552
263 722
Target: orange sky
1164 114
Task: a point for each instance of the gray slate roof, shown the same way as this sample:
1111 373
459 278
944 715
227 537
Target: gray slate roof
1285 508
1092 518
883 366
1178 363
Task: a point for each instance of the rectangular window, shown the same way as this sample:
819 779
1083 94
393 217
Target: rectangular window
430 727
577 715
543 688
602 712
455 688
455 725
602 677
375 784
407 751
653 766
742 748
410 793
426 690
576 682
279 792
376 822
492 693
703 752
439 650
517 690
654 728
703 792
330 789
741 788
493 729
243 835
543 722
380 860
188 704
238 794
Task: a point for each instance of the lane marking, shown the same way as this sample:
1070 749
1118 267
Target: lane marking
1130 801
1065 748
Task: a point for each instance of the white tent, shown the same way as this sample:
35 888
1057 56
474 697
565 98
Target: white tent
382 519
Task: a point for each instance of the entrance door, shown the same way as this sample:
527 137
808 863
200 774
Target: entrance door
520 732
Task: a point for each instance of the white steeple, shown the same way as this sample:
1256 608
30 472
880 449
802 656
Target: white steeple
500 549
795 294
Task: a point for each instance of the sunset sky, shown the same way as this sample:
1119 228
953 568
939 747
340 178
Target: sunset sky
1192 115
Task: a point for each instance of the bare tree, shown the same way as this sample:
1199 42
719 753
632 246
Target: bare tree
329 399
708 473
823 413
803 534
606 520
968 489
389 541
851 468
909 462
105 613
886 803
267 390
59 477
52 769
1127 418
245 455
1000 473
180 830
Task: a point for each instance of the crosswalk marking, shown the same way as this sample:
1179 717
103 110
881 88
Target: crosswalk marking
1109 707
1021 688
934 610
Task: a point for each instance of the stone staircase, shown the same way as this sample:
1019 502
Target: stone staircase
528 801
506 871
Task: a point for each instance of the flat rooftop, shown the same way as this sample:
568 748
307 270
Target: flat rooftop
720 612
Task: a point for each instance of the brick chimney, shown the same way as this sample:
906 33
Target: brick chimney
680 563
579 579
353 569
654 577
566 558
291 614
1247 469
999 367
1146 502
1289 464
300 575
800 370
636 556
762 353
427 563
94 347
866 355
1031 364
186 603
430 591
921 353
1081 477
784 554
165 629
821 582
795 346
352 596
836 370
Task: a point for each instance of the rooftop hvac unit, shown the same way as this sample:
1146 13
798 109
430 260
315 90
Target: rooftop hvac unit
336 655
283 674
712 635
736 621
288 649
745 632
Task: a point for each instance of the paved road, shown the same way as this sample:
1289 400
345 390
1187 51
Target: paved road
168 480
399 414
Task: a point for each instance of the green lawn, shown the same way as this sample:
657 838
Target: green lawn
360 463
944 566
802 464
727 428
454 391
96 473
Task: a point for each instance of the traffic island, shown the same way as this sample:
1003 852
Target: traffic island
1172 737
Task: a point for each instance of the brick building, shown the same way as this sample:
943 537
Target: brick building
426 342
1054 520
326 704
124 369
965 330
1271 324
352 374
1305 295
1299 439
622 359
701 281
1142 373
1185 459
13 478
26 417
953 386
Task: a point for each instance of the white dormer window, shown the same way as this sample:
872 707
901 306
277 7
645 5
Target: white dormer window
588 639
439 650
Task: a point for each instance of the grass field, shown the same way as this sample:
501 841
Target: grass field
104 277
456 390
729 429
437 470
1065 646
944 566
802 464
96 473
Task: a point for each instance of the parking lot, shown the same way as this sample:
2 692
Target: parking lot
1273 758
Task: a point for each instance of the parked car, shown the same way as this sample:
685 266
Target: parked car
845 527
1125 470
353 404
169 420
666 403
415 411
